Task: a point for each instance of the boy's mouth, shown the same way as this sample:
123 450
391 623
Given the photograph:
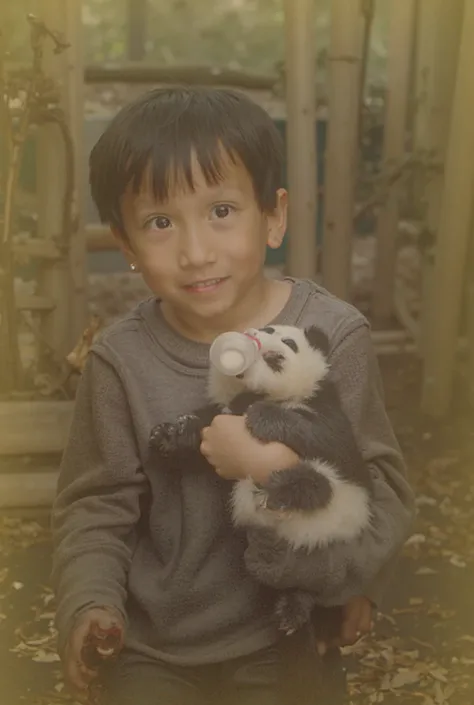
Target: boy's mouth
205 285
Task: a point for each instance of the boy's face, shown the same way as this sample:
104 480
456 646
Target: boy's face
202 252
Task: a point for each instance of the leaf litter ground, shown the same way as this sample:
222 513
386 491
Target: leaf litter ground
422 648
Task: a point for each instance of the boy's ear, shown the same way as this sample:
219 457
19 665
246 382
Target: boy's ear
277 220
124 245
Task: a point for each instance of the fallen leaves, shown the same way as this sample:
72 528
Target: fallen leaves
385 667
17 534
396 665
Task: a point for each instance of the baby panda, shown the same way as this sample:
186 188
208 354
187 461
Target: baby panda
286 396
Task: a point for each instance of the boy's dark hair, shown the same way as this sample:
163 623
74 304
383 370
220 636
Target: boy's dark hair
161 130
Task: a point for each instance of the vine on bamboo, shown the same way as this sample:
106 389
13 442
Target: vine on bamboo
28 99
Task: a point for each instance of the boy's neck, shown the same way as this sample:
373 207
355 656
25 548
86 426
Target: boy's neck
262 304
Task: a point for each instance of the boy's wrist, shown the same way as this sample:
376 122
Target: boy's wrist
278 457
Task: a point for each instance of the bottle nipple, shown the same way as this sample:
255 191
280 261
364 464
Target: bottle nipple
232 353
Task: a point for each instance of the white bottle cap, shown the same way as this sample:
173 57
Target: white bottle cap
232 353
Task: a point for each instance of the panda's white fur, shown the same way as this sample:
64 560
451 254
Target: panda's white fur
294 385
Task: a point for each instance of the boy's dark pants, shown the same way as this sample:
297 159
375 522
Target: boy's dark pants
291 674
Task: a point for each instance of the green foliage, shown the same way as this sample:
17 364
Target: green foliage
246 34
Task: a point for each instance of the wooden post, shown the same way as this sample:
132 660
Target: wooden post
453 234
345 74
439 31
63 280
402 23
470 318
301 137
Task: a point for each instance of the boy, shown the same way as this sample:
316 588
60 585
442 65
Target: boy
190 182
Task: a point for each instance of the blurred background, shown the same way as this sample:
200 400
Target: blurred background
374 99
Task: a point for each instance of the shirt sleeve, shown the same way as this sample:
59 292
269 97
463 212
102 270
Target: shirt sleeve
362 566
97 506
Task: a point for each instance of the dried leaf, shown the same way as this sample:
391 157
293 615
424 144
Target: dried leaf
415 539
439 675
468 638
404 677
457 562
46 656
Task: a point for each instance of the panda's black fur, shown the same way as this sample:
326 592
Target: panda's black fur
287 396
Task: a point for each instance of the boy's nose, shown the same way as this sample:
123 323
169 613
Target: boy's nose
196 251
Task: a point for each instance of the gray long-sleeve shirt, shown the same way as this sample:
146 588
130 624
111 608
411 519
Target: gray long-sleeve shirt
160 546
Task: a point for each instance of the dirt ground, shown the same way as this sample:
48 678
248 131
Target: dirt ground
422 652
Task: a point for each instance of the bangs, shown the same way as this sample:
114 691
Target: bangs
159 139
168 166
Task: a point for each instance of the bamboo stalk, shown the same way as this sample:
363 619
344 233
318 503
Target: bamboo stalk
453 234
436 65
347 25
301 138
60 193
10 360
402 25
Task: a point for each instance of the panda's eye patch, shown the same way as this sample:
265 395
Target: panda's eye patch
291 344
268 329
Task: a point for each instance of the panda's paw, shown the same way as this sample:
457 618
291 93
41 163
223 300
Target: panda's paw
293 610
266 422
162 438
170 438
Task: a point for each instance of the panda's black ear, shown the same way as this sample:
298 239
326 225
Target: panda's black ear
317 339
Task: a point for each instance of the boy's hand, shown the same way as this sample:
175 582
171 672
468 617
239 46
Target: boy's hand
357 621
236 454
97 636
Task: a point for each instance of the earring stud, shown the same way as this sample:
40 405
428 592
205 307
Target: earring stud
133 267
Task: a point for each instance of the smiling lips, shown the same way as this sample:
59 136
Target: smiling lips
205 286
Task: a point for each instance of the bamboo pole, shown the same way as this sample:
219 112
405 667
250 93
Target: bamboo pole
470 319
301 137
402 24
453 233
137 26
345 75
439 31
63 280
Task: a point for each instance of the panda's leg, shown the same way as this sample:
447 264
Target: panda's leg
293 610
184 434
304 487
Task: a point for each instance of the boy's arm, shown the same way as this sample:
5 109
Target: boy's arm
97 504
362 566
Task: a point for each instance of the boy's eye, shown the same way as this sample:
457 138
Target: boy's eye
222 211
160 222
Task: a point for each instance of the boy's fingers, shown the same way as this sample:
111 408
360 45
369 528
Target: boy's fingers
351 625
77 673
321 648
79 676
366 618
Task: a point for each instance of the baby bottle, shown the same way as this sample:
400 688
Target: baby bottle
232 353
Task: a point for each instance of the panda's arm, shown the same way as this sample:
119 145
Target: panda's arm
360 566
273 423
